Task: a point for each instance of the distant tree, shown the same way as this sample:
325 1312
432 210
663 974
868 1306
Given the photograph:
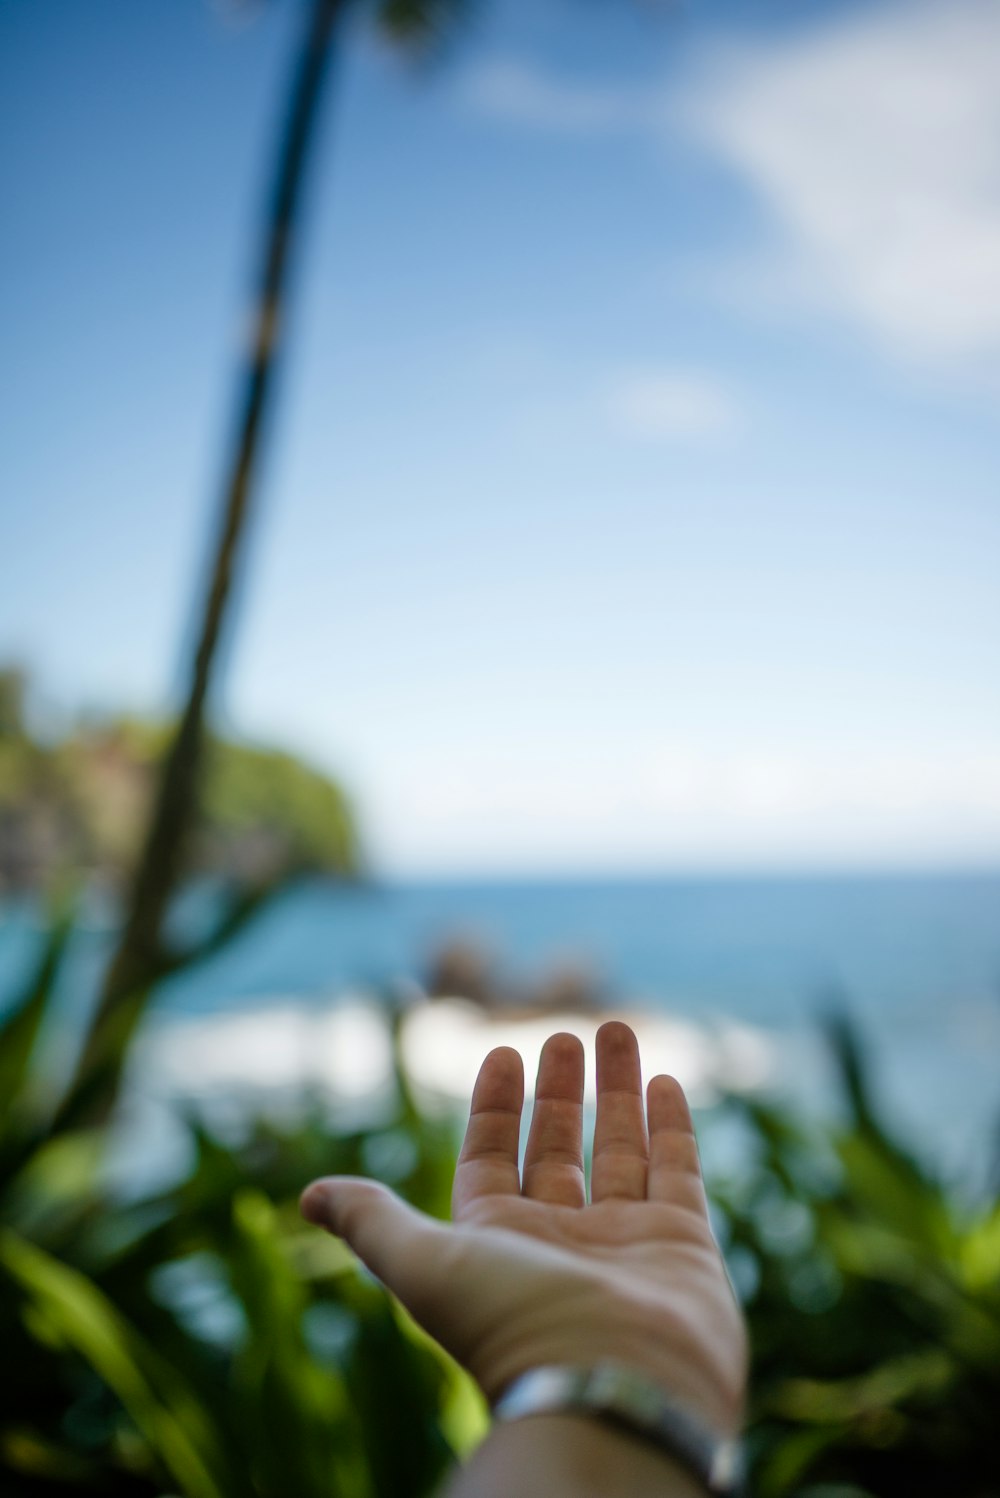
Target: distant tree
77 801
11 702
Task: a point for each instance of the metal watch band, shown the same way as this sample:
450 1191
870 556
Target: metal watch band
627 1399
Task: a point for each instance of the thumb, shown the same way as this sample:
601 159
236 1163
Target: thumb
396 1242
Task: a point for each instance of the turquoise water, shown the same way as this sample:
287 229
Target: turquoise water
915 959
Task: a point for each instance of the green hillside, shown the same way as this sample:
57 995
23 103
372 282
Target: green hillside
77 803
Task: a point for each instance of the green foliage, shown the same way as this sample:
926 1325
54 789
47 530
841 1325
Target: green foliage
419 26
267 794
873 1299
204 1341
82 801
69 1312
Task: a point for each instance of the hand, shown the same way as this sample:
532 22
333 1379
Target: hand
530 1273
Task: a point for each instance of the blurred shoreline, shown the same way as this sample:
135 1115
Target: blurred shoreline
915 960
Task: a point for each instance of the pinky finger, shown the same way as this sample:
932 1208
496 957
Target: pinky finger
674 1166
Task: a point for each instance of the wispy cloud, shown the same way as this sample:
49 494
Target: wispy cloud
696 806
670 404
513 90
874 142
870 141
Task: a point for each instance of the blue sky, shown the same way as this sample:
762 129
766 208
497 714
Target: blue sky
633 498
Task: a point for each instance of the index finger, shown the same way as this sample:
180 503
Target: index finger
487 1165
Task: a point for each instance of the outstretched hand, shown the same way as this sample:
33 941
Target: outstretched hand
529 1273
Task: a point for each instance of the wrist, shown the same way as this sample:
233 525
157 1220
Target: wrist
568 1453
706 1377
705 1373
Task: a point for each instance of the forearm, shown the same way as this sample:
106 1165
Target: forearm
569 1456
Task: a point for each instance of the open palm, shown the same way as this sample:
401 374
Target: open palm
530 1273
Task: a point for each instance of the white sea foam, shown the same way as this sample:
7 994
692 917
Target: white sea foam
445 1042
344 1051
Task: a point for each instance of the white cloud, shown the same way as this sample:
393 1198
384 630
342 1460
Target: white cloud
687 806
513 90
875 143
667 404
872 141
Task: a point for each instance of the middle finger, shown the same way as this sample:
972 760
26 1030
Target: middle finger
553 1160
620 1149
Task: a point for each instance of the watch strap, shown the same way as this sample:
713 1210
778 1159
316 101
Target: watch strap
627 1399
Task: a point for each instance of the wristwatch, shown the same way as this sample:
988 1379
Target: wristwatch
634 1403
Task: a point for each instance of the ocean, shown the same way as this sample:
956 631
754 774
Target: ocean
915 960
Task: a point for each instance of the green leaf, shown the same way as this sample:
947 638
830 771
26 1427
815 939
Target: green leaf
79 1316
979 1253
818 1402
301 1426
20 1027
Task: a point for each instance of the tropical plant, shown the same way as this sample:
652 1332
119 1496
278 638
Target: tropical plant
873 1296
202 1339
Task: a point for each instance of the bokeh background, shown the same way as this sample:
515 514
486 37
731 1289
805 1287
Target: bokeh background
499 526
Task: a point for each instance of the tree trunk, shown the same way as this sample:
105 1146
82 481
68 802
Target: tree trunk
139 955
